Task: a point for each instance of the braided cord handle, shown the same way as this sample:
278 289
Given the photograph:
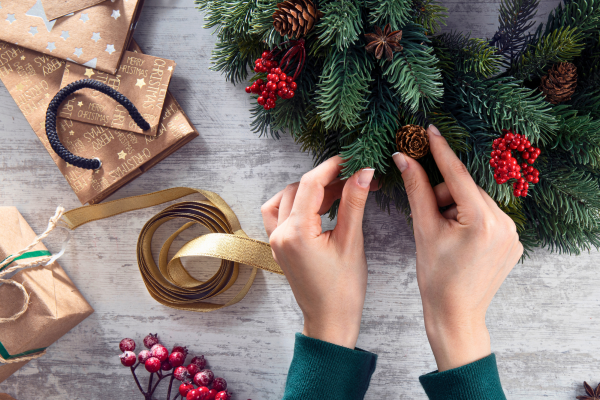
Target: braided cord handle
57 146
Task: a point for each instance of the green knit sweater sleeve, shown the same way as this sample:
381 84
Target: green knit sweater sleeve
326 371
476 381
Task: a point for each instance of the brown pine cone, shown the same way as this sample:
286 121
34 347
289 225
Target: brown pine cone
412 140
560 83
295 18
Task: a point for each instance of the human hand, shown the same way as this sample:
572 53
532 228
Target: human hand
327 271
463 254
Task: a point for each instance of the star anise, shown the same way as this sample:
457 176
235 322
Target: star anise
384 42
591 393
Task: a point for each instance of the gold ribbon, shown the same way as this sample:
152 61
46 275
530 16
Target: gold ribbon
168 282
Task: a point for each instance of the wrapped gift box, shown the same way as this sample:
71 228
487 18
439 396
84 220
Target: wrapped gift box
55 307
96 36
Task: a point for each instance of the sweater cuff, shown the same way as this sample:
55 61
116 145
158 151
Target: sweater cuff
328 371
476 381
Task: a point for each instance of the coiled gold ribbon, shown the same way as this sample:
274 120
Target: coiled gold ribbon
168 282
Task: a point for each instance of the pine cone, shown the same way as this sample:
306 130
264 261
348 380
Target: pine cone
560 83
295 18
412 140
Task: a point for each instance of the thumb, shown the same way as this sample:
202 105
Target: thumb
423 204
352 204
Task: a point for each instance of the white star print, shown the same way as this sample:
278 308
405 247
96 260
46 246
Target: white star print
38 11
116 14
110 48
96 36
51 46
33 30
84 18
11 18
78 51
65 35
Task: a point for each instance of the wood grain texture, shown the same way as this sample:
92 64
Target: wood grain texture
542 321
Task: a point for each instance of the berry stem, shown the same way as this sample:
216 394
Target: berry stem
150 384
170 386
136 379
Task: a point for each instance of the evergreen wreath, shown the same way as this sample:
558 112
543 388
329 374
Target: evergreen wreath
542 84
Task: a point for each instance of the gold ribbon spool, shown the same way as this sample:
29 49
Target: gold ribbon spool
169 283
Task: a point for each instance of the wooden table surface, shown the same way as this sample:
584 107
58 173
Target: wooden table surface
542 321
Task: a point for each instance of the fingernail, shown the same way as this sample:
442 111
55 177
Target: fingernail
434 130
365 177
400 161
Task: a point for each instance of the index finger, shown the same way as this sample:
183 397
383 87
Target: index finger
461 185
311 190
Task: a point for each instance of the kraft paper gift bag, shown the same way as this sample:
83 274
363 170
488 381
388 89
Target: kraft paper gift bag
55 305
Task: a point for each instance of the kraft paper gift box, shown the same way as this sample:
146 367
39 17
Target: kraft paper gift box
55 307
96 36
33 79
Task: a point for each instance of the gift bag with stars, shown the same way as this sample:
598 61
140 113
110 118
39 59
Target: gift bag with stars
86 32
90 125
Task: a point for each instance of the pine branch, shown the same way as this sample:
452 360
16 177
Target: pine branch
393 12
578 136
581 14
562 44
341 25
430 15
232 58
515 21
504 104
413 72
343 87
469 55
262 23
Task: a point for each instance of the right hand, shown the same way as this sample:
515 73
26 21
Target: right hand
463 254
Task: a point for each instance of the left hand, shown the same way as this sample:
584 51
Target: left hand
327 271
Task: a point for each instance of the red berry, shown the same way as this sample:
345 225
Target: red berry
264 93
127 345
259 82
144 355
203 391
281 85
293 85
204 377
266 55
166 366
282 76
280 93
258 60
152 364
525 155
150 340
184 388
290 94
193 369
277 71
160 352
275 78
128 358
275 63
289 79
524 193
529 178
181 374
219 384
212 393
261 100
224 395
193 395
531 160
180 349
517 193
248 90
535 179
536 172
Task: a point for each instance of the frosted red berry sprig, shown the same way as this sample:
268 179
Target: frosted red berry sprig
156 359
278 84
506 166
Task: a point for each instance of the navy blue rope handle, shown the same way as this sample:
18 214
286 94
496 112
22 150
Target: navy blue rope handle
57 146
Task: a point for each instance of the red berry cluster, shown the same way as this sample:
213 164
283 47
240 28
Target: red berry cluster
278 83
157 359
507 167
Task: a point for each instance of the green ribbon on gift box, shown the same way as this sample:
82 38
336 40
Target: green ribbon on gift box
3 352
30 254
